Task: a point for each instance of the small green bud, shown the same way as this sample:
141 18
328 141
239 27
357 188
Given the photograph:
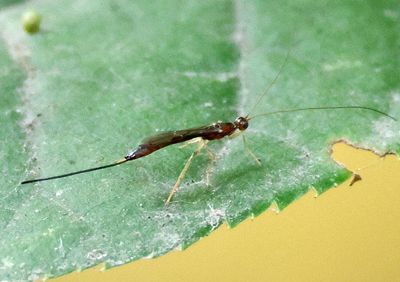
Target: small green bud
31 21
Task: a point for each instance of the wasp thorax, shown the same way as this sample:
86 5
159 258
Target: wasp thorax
241 123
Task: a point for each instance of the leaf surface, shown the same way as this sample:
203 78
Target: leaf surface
101 76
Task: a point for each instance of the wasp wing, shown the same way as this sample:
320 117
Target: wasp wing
166 138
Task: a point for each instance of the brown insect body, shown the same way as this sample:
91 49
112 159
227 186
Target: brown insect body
214 131
207 133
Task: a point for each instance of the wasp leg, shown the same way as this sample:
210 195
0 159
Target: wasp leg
202 144
191 141
235 134
246 147
213 160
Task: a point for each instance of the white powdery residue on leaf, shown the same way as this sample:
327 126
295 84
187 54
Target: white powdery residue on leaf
117 262
36 274
239 37
384 130
60 248
208 104
299 175
96 255
214 216
387 131
165 239
292 139
15 43
222 152
167 235
18 47
341 65
20 53
48 232
150 256
6 263
396 98
221 77
225 76
391 14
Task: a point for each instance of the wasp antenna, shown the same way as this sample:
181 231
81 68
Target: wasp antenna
265 92
325 108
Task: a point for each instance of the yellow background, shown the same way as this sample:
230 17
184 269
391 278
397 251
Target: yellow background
346 234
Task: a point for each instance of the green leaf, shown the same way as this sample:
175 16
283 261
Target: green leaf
102 75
